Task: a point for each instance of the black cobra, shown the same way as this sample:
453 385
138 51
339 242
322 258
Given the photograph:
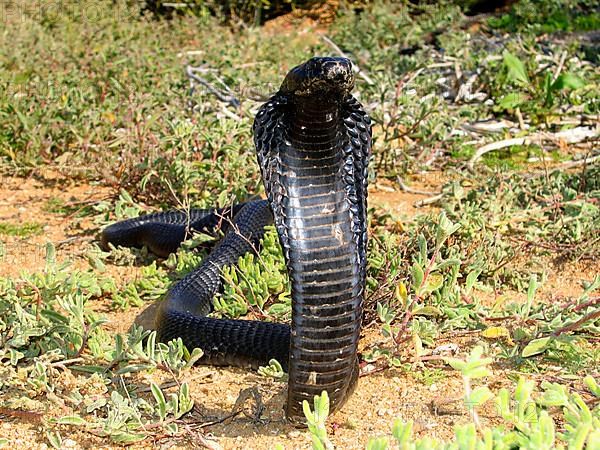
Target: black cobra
313 140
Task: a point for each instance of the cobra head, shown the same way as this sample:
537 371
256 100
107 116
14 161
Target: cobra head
320 77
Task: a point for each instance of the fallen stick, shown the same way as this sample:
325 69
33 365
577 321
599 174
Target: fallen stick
497 146
561 63
571 136
224 97
410 190
574 326
428 201
577 163
568 165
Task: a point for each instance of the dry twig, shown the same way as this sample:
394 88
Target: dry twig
225 94
428 201
571 136
410 190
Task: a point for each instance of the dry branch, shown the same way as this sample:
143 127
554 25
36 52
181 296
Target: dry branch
410 190
572 136
225 95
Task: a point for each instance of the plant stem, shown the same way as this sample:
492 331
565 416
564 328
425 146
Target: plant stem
408 313
573 326
472 410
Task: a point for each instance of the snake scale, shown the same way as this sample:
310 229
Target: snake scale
313 141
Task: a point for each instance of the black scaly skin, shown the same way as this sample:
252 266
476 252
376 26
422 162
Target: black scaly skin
313 141
163 232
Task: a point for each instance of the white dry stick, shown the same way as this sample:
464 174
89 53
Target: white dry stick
497 146
457 71
564 166
410 190
428 201
465 92
561 63
520 118
230 114
190 53
571 136
206 443
440 65
226 96
575 135
488 126
339 51
433 157
413 76
579 162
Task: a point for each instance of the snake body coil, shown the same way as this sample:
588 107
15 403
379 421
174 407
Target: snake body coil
313 141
